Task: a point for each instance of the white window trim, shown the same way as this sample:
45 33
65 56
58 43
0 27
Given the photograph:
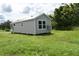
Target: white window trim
42 25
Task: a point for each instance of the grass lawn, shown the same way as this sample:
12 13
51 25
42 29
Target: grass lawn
58 43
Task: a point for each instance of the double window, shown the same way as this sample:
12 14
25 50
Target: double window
42 24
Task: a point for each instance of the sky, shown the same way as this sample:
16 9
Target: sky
19 9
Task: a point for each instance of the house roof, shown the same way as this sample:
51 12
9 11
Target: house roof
31 18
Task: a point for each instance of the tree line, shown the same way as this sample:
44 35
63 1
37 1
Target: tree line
66 17
5 25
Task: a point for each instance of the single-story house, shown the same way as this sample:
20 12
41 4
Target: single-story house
36 25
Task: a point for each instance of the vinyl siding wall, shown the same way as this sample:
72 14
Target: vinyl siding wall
48 23
25 27
31 26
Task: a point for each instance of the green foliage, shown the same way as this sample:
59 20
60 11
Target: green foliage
58 43
66 16
53 23
5 26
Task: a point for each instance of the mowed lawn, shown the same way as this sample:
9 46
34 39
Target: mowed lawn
58 43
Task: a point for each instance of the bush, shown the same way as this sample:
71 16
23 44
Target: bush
7 29
64 28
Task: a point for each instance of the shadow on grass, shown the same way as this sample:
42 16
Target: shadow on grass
74 42
43 34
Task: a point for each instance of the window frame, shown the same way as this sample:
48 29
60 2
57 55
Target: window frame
42 25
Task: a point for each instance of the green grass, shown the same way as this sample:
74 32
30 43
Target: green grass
59 43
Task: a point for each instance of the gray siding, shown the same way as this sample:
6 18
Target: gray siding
48 24
31 26
28 27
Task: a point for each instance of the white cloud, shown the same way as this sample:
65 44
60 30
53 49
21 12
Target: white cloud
1 17
31 8
37 1
26 10
6 8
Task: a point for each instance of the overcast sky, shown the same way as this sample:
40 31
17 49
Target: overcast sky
16 9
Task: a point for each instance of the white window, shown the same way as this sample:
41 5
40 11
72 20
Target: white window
41 24
44 24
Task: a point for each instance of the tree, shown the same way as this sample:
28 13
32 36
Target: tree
67 16
52 21
5 25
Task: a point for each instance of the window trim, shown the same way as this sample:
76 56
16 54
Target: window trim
42 24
